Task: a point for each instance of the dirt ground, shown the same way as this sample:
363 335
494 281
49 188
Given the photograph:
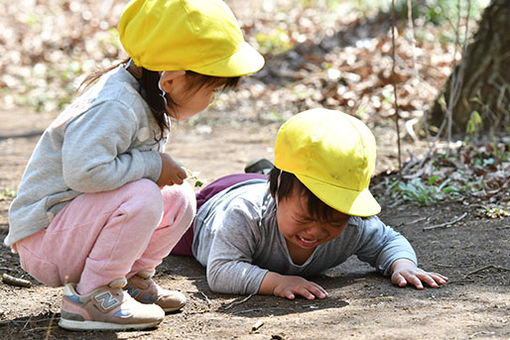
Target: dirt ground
473 253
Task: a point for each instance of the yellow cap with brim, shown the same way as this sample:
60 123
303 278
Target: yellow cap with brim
197 35
333 154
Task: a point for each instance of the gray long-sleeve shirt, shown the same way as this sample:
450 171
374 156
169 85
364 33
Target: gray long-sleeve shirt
236 237
106 138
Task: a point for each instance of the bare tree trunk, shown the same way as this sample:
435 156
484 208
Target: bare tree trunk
485 75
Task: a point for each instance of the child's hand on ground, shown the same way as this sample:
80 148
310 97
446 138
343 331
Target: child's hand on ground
288 286
405 271
171 171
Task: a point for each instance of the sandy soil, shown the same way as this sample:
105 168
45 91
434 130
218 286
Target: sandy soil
473 253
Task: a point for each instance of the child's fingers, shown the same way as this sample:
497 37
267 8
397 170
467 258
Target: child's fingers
417 277
415 281
317 291
307 295
289 295
442 277
411 278
311 291
179 176
182 174
301 290
398 279
429 280
433 279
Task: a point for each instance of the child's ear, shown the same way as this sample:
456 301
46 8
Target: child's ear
169 77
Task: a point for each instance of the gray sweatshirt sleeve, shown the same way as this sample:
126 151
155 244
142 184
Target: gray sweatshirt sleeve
229 267
96 154
380 245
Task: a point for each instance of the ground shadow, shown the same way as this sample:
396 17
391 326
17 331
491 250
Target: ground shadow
45 326
203 299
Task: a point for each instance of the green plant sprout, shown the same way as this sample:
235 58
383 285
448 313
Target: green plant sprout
193 177
7 193
416 191
474 126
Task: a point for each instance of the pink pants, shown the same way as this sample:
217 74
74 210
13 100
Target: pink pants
101 237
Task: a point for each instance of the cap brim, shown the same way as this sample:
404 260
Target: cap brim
245 61
350 202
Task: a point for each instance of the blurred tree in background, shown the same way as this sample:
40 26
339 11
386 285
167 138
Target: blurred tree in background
478 90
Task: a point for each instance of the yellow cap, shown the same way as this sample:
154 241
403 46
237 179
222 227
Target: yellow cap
333 155
198 35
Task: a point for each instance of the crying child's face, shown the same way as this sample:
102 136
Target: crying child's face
303 230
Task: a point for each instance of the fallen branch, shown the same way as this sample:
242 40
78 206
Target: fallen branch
8 269
50 326
36 329
206 299
416 220
14 281
257 325
441 225
238 302
490 266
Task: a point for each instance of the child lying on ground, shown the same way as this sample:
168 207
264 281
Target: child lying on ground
316 212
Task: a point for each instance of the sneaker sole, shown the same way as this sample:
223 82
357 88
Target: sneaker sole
74 325
172 309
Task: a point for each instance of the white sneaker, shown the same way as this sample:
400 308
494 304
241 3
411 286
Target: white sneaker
107 308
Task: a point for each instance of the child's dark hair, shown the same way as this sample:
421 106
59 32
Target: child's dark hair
288 182
150 91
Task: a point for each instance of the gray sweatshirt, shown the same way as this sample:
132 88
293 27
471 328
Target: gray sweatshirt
106 138
236 237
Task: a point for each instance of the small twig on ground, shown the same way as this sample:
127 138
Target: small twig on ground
485 268
26 323
257 325
50 326
206 299
8 269
481 333
411 163
415 220
14 281
446 224
238 302
35 329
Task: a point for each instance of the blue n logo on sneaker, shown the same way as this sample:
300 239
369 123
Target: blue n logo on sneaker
123 314
133 292
106 300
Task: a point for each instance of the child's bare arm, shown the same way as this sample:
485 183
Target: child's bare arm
404 271
288 286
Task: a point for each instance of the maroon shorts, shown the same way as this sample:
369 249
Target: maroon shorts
183 247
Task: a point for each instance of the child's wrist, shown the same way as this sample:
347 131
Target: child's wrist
402 262
269 283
